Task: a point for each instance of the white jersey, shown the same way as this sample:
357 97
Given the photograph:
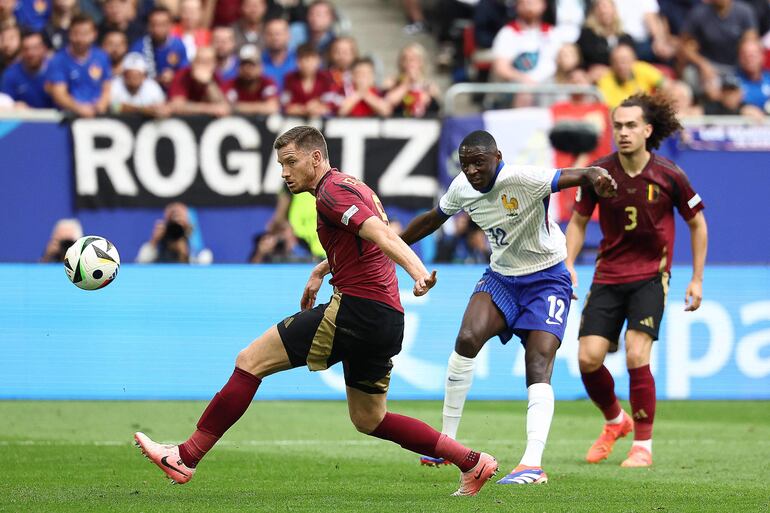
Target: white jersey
514 215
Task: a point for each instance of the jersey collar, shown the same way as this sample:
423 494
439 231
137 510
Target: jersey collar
492 183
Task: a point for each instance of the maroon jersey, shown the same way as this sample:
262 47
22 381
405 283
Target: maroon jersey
638 224
186 86
359 267
260 91
323 90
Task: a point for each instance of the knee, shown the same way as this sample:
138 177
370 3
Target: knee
636 357
468 344
366 421
247 361
589 361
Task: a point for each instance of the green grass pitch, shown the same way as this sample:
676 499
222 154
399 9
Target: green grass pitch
306 456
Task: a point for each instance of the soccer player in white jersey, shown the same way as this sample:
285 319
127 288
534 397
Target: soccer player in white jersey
527 289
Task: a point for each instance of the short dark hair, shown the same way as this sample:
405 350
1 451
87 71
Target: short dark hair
159 9
26 34
480 139
658 111
307 50
305 138
363 60
113 31
82 18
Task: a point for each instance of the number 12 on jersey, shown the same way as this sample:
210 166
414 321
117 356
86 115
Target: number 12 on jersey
556 308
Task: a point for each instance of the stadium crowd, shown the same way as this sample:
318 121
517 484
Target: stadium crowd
258 57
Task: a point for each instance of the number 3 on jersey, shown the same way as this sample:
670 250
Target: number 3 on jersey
556 308
631 211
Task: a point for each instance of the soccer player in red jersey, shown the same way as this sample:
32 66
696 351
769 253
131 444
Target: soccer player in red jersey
632 267
362 325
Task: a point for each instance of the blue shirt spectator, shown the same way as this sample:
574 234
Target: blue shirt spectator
755 81
164 53
277 60
33 14
79 75
24 81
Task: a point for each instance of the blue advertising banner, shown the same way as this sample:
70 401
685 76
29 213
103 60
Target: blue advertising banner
173 332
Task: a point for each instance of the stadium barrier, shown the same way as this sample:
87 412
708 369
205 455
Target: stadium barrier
172 332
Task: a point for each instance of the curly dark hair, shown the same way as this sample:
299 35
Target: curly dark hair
657 111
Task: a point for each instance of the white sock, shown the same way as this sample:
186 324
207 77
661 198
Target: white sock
459 377
616 420
647 444
539 415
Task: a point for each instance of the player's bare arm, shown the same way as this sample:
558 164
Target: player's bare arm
597 177
314 284
374 230
699 244
423 225
576 236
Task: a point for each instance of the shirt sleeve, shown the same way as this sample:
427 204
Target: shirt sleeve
178 87
585 201
504 44
183 60
540 181
343 207
56 73
450 204
687 201
6 86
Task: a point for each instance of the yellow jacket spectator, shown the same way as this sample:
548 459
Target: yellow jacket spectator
628 76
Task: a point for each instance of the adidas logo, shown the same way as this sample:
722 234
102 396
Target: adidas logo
288 321
639 415
648 321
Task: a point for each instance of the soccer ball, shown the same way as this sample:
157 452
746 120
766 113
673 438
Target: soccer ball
92 262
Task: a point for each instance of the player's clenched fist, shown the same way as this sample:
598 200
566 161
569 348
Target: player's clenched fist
603 183
423 285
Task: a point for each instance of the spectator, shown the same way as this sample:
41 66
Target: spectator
683 100
343 52
78 76
569 17
64 234
278 59
299 210
754 80
115 45
628 76
198 89
731 102
7 13
217 13
460 242
411 94
190 28
248 29
121 15
675 12
318 28
252 92
601 33
170 240
416 19
710 38
293 11
489 17
567 61
223 43
278 245
32 15
363 99
24 81
165 54
10 44
451 17
309 91
641 20
761 10
134 92
59 23
525 50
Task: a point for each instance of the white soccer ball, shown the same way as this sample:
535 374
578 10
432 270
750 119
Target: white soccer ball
92 262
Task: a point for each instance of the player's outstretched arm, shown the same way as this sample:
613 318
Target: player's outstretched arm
699 244
313 284
576 236
423 225
374 230
598 177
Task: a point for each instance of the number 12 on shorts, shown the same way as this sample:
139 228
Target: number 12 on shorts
556 308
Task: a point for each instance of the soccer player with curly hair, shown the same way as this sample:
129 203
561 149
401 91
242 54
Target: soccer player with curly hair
633 267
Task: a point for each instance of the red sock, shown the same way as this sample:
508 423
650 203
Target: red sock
224 410
601 389
642 396
416 436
